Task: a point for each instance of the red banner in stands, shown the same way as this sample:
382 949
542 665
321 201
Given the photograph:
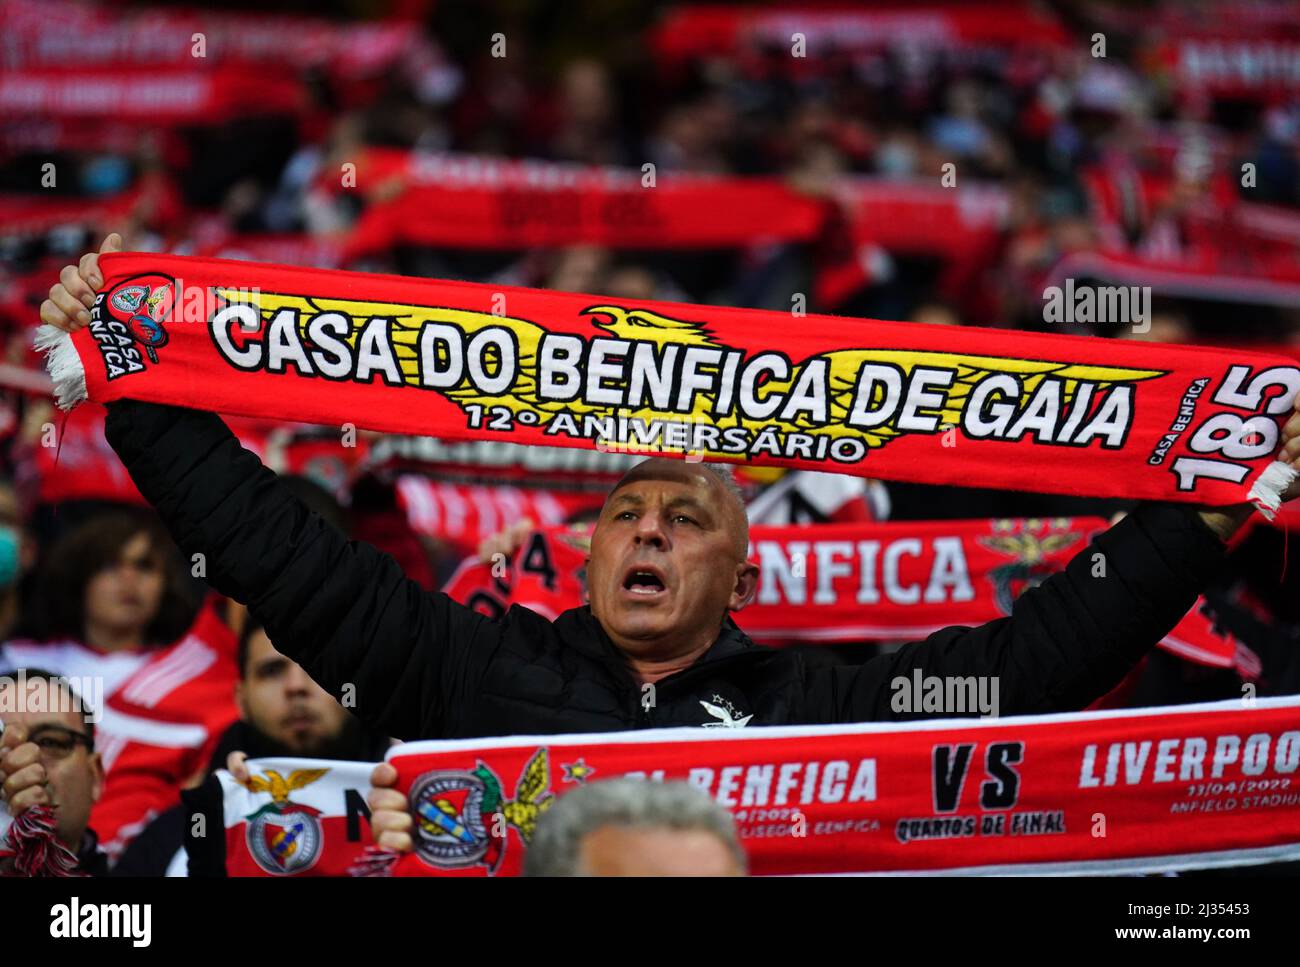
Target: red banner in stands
308 250
151 95
45 34
1264 68
83 466
1136 790
909 216
706 30
465 201
464 515
1206 274
25 215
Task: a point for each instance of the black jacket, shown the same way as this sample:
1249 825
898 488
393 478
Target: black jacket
422 666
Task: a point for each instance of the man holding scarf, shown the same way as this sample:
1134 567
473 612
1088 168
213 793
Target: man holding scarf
656 647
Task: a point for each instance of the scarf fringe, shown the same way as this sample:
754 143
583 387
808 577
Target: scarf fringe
375 861
35 849
64 365
1267 492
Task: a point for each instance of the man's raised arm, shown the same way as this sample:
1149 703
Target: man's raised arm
1073 638
1066 643
342 609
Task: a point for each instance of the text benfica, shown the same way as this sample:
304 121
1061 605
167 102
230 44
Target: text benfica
784 783
635 374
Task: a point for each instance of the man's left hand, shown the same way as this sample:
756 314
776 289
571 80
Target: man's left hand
1225 521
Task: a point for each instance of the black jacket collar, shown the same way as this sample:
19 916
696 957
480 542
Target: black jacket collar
90 859
579 628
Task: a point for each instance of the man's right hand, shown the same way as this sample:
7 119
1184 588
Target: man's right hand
390 819
68 306
23 781
505 541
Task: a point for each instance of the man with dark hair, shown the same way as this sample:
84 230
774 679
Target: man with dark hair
283 713
48 758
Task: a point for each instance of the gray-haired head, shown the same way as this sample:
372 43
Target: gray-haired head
556 847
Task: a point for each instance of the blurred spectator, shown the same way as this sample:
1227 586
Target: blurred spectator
16 552
936 314
630 283
49 759
635 827
580 268
116 584
282 712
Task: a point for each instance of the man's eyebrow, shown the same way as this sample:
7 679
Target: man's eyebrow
691 503
38 726
623 497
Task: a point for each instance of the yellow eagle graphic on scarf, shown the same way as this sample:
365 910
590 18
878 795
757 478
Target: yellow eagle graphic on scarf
521 398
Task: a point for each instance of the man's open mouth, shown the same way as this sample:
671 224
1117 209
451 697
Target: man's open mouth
644 580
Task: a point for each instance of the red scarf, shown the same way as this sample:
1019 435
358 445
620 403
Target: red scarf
1199 785
852 582
1135 790
970 407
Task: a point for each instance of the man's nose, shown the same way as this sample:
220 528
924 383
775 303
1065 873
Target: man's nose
296 680
650 530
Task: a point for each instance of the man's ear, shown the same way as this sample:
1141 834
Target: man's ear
241 702
96 777
746 586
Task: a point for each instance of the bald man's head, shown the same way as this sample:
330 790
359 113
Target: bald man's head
668 558
718 478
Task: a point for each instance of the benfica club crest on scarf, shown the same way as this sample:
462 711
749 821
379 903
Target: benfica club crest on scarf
1033 543
463 818
314 824
284 837
132 314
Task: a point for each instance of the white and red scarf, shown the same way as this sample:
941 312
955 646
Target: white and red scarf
295 817
1137 790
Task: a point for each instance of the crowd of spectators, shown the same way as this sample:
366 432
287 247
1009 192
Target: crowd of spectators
1121 155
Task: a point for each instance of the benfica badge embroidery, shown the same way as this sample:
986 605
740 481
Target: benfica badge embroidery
284 837
463 818
1035 541
132 314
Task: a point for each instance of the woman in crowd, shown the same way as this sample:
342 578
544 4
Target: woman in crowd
109 593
